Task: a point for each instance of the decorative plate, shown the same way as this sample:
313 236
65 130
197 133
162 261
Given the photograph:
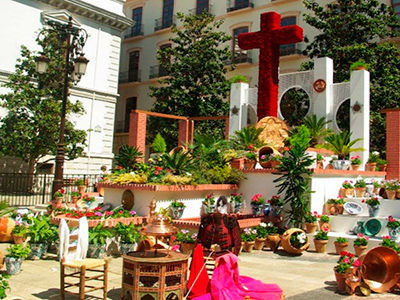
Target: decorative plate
352 208
372 227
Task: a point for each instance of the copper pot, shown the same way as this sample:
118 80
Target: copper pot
380 269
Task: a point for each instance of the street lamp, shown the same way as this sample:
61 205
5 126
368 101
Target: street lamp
75 67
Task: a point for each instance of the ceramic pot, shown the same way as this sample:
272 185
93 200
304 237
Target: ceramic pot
340 281
286 244
355 167
360 250
394 234
96 251
360 192
256 209
37 251
391 195
13 265
248 246
276 211
176 212
320 245
341 164
259 243
236 207
330 209
373 210
370 166
74 199
187 248
339 247
266 164
311 227
273 241
19 239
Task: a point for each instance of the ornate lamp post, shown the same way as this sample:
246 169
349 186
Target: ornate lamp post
72 40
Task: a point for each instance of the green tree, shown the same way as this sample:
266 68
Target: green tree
196 84
30 130
353 30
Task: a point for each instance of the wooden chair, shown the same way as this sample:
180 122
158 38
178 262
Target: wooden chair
80 275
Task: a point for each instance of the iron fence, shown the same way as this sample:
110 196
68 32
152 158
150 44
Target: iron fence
22 189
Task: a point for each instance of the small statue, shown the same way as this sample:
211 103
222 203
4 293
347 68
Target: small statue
222 205
359 228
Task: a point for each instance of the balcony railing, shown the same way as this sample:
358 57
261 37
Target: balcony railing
295 49
241 57
232 5
162 23
130 76
136 30
157 71
199 10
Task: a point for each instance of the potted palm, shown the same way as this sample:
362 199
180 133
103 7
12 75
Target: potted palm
128 237
97 240
341 145
15 256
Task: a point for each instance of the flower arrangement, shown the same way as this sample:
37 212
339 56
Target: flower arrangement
361 240
275 201
347 184
79 182
184 236
177 204
75 193
59 193
209 200
88 199
311 217
249 235
387 242
392 223
373 201
341 240
298 239
346 260
237 198
19 229
262 230
322 235
257 200
373 157
360 183
355 160
324 218
391 185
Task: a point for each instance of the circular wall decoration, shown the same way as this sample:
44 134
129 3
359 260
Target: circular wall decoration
127 200
319 85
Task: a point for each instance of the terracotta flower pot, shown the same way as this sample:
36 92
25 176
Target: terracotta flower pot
370 166
286 244
259 243
391 195
340 281
355 167
339 208
346 193
382 168
238 163
323 225
266 164
81 189
360 192
273 241
248 246
74 199
360 250
187 248
59 200
320 164
339 247
311 227
249 164
19 239
320 245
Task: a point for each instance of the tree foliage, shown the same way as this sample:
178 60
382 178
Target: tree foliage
30 130
353 30
196 83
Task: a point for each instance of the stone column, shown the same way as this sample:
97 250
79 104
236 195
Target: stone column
238 107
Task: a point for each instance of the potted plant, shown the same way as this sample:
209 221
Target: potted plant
355 162
311 222
261 236
251 159
341 145
88 200
97 240
341 244
382 164
360 187
372 161
388 242
360 244
208 204
320 161
128 237
323 221
347 189
177 207
294 241
345 262
276 204
158 146
256 203
377 186
248 236
80 183
373 206
59 196
19 232
236 201
321 239
359 65
187 240
391 187
15 256
75 195
39 233
393 226
239 79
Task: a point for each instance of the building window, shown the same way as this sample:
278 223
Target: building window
240 55
288 49
396 8
137 17
241 3
162 71
201 6
130 104
133 68
168 13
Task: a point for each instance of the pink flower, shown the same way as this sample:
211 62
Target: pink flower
366 237
356 263
175 248
108 213
360 235
326 229
386 237
132 212
99 214
346 260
